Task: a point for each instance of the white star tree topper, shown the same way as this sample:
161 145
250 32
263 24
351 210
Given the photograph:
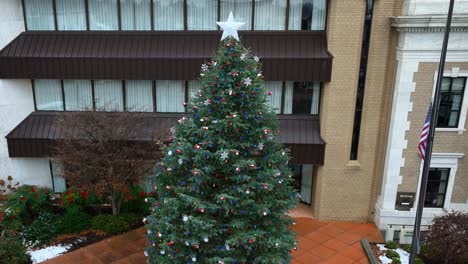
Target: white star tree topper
230 27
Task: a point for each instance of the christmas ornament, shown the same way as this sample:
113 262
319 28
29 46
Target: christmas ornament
256 58
201 210
205 239
260 145
230 27
243 55
180 161
162 252
169 153
196 246
204 67
247 81
224 155
170 243
185 218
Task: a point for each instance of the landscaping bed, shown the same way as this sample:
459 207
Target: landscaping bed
36 225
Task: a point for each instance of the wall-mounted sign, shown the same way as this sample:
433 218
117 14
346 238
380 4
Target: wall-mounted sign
404 201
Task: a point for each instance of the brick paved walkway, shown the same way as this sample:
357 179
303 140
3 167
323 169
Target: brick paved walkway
318 242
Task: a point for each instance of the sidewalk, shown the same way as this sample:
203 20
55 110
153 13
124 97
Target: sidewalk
318 242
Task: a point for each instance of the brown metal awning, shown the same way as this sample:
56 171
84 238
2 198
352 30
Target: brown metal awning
174 55
36 135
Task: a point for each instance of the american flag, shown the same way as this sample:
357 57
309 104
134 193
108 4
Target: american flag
424 134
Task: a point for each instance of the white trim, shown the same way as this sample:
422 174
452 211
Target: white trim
454 73
442 161
428 23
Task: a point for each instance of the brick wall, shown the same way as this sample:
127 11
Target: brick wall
444 142
347 190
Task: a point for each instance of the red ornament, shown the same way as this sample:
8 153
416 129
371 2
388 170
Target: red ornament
196 246
228 63
252 92
195 172
267 131
251 165
205 128
232 41
201 210
168 187
185 104
197 146
223 198
178 151
171 139
170 243
234 55
235 74
265 186
33 189
195 107
251 241
142 194
238 169
270 92
12 216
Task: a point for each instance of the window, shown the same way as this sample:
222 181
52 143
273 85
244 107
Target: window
139 96
39 14
307 14
302 175
193 87
302 98
451 99
58 182
108 95
71 14
136 14
78 95
275 99
48 94
161 15
103 15
436 187
168 15
202 14
241 9
170 96
270 15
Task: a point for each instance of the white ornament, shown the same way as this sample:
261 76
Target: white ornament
207 102
204 67
224 155
247 81
146 254
264 213
181 161
205 239
215 121
149 231
256 58
242 57
227 247
169 153
187 243
247 191
194 259
185 218
159 235
230 92
162 252
276 244
230 27
260 145
146 200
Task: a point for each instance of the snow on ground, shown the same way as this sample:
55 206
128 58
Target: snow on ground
404 256
44 254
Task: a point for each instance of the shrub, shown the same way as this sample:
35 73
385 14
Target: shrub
418 260
396 261
447 238
12 251
391 244
407 248
42 231
74 200
135 201
74 221
111 224
131 218
28 202
392 254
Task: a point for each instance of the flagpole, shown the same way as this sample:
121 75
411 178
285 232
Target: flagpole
430 139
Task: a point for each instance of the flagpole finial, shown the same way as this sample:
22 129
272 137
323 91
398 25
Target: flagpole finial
230 27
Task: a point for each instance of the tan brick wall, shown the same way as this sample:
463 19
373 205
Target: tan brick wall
343 191
444 142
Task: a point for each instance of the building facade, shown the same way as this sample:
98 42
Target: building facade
420 34
329 63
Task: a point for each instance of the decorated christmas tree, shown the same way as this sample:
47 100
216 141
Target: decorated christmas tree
224 187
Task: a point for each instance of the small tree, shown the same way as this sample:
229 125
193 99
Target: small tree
447 239
104 152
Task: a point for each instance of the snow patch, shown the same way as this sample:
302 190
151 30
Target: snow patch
404 256
44 254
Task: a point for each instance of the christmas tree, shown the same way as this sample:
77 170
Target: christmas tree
225 187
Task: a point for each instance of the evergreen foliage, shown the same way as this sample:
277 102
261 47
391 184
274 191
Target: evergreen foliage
225 186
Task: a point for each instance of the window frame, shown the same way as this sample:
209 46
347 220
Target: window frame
451 93
185 16
455 73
